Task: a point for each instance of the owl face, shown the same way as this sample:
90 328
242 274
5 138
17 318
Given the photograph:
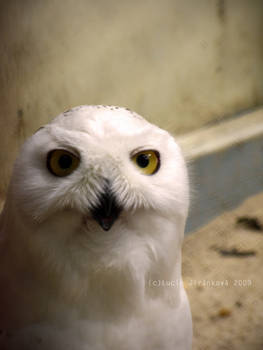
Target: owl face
101 165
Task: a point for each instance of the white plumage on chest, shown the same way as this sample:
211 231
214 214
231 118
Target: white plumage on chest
95 213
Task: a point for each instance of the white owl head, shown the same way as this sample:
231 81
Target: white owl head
102 162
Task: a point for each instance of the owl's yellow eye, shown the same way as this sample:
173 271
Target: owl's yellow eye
148 161
61 162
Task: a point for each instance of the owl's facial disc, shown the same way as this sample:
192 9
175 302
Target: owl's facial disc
108 210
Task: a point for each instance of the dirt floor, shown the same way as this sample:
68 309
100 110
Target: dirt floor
222 271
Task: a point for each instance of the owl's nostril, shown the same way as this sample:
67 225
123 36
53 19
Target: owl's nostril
108 210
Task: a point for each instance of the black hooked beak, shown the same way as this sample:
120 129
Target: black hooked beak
107 210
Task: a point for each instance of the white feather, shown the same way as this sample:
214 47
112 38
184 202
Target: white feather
68 283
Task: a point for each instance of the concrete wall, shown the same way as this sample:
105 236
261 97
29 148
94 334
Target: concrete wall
179 63
225 165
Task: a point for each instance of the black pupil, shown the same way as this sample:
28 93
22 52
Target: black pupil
65 161
143 160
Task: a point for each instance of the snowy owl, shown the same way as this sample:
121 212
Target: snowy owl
91 235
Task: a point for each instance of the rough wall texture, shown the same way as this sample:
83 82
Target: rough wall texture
179 63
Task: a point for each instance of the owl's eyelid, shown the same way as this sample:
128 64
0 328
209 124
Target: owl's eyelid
67 149
142 149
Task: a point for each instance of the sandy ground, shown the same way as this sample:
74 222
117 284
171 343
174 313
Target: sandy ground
222 271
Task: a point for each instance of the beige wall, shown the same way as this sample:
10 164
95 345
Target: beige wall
179 63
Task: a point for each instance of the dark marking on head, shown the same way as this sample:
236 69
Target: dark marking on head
107 107
41 127
67 111
74 109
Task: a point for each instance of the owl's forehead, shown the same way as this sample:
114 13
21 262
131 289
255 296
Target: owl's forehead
102 121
